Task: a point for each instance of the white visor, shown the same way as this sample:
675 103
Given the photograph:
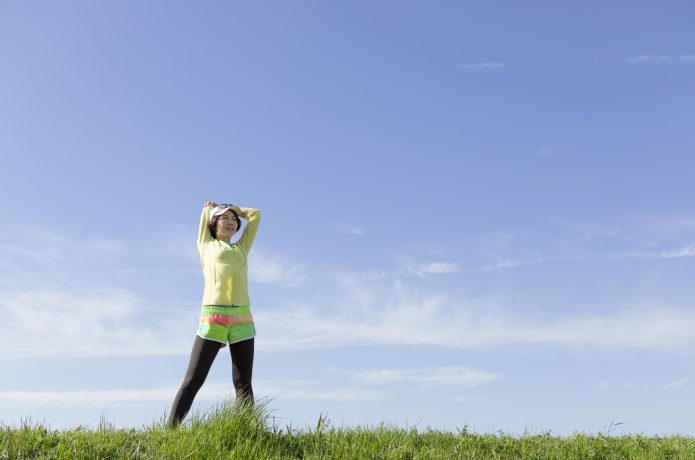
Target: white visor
222 208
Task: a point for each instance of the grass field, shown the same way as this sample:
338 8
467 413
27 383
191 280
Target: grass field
241 432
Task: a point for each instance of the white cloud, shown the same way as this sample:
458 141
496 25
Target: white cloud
91 398
645 232
312 394
409 267
99 322
686 251
355 291
605 384
47 309
115 322
408 316
453 375
349 229
60 296
658 59
211 391
436 268
269 269
482 65
648 385
678 384
52 261
636 239
49 300
626 385
69 318
374 274
46 251
510 263
670 226
52 255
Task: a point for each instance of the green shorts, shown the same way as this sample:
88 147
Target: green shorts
226 324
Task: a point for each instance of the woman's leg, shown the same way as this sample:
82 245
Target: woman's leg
202 356
242 368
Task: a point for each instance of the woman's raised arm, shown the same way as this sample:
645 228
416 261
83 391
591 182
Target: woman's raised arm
204 235
254 217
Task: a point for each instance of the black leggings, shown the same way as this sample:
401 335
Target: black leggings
202 356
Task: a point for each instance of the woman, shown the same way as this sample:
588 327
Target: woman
225 316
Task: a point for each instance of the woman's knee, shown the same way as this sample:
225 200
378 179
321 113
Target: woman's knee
241 380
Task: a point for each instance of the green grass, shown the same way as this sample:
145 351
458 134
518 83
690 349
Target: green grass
242 432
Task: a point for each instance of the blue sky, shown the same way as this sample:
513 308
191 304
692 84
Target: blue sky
474 213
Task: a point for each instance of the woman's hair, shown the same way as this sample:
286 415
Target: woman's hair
212 225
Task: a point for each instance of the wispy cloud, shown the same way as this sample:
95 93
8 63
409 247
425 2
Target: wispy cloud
319 393
60 295
64 258
49 252
269 269
642 385
100 322
659 59
408 316
685 251
605 384
482 65
579 242
670 226
408 267
211 391
48 298
511 263
66 319
113 322
453 375
91 398
431 268
349 229
678 384
373 274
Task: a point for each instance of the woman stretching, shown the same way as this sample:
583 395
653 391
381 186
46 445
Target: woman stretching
225 317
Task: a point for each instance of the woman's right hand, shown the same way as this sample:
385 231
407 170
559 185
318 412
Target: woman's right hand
210 203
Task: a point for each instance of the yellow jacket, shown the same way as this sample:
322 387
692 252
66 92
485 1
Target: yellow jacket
224 265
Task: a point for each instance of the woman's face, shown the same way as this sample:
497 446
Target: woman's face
226 225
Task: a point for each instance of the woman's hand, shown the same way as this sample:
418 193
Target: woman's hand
210 203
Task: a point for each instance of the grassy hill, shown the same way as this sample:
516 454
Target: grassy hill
241 432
